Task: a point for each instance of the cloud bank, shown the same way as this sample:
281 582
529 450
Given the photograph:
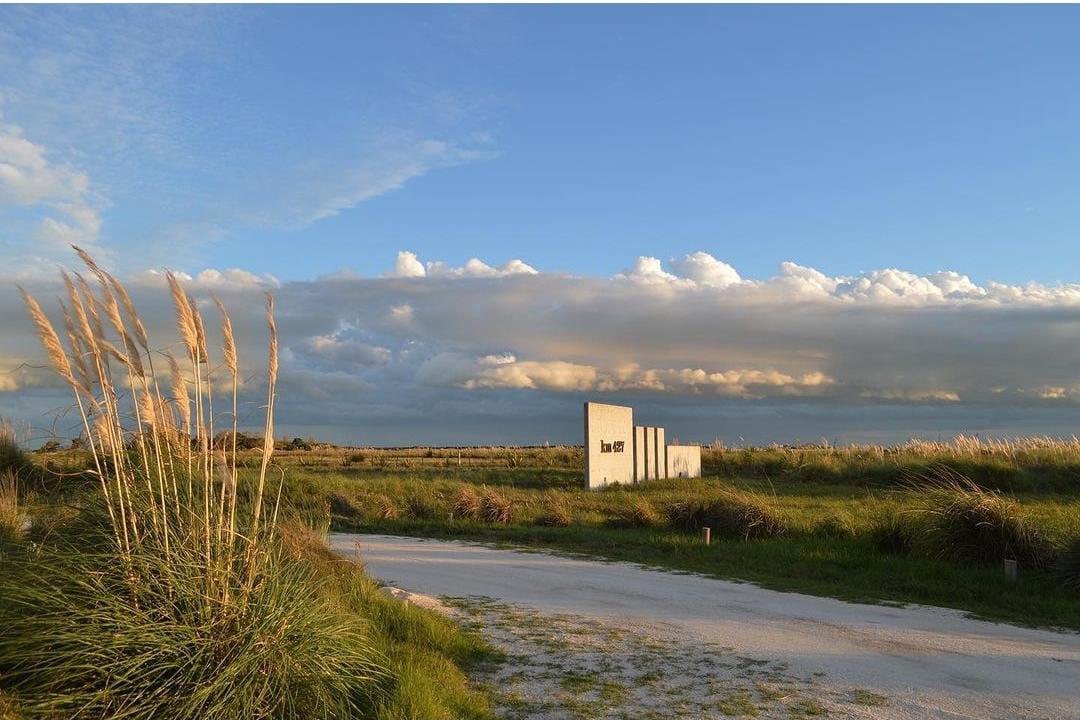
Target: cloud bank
428 352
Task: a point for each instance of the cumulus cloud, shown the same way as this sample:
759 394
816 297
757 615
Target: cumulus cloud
408 265
704 269
482 343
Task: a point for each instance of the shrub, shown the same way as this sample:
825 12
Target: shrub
735 514
965 523
494 508
556 511
467 503
1067 566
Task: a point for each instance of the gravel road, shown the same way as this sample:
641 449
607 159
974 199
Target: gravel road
903 662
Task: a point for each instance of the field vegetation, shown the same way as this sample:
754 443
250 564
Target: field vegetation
920 522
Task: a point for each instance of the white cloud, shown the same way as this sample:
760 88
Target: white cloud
649 271
407 265
800 344
704 269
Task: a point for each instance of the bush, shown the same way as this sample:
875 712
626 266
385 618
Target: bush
1067 566
965 523
494 508
735 514
556 511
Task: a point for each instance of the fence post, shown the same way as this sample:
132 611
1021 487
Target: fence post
706 535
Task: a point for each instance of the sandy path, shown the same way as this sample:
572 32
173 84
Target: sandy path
927 662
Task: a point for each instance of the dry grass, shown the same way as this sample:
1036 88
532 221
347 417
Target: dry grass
556 511
494 508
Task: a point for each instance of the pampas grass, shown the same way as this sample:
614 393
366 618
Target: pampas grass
184 607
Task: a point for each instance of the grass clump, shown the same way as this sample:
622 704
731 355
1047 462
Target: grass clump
640 514
965 523
494 508
735 514
158 652
467 503
12 513
892 534
556 511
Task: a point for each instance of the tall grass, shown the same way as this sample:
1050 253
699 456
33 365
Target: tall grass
184 606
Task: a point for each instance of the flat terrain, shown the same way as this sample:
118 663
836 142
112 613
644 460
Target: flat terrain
596 639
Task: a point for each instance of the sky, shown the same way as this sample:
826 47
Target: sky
755 224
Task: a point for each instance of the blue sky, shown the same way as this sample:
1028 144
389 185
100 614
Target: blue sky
602 146
849 138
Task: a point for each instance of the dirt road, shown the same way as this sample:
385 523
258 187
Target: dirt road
841 658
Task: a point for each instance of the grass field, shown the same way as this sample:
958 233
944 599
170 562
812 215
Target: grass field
851 523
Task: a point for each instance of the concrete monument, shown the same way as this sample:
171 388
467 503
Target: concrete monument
609 444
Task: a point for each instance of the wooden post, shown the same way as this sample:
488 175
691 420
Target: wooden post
1010 570
706 535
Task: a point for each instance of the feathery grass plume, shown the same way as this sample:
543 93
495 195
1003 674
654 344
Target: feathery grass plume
86 333
200 330
148 409
129 308
91 304
185 321
228 347
90 263
180 395
78 353
268 428
49 338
